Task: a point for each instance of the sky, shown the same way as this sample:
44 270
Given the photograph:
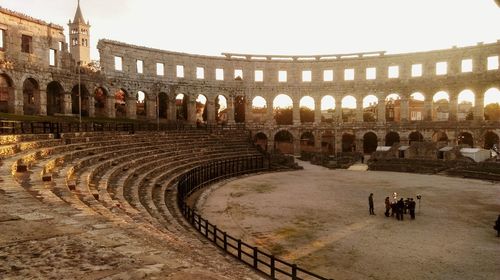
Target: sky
280 27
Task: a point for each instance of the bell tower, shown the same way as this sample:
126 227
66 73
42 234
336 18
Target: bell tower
79 38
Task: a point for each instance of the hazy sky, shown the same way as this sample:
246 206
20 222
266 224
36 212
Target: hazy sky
279 26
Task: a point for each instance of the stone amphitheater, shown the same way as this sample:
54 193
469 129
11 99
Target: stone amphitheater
102 202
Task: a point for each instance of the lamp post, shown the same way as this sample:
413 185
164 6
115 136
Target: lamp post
79 92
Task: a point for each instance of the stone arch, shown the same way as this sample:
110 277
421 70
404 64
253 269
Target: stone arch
491 139
328 143
416 106
260 139
370 103
415 136
181 104
283 142
492 104
348 142
283 109
163 105
6 94
31 97
100 102
141 104
370 142
440 137
75 100
120 97
307 142
465 138
466 102
201 108
327 108
240 109
392 138
441 106
349 105
393 107
55 98
221 108
307 107
259 109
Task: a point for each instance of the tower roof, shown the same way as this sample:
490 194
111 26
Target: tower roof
78 15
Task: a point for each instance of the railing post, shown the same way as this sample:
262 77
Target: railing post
206 229
273 267
215 235
294 272
239 249
255 256
225 241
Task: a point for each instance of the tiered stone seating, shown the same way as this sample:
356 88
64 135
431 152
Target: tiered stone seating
113 184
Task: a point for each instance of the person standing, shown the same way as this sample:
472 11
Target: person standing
370 204
411 207
400 205
497 226
387 206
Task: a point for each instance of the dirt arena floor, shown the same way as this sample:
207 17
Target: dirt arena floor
319 219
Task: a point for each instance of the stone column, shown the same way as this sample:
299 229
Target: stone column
359 110
172 109
381 110
230 110
42 109
18 101
453 107
270 114
131 108
317 141
338 110
404 109
110 106
151 110
91 106
67 110
296 146
479 105
427 109
317 112
296 111
210 108
191 111
248 110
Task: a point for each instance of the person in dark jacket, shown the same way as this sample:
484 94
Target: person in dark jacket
411 208
387 206
370 204
400 205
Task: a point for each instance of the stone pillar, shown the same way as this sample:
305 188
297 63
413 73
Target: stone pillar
131 108
479 106
42 109
338 142
171 109
248 110
359 144
296 146
210 108
296 111
317 113
359 111
67 103
91 106
338 110
230 110
110 106
270 114
18 101
427 109
191 111
453 107
151 110
405 112
317 141
381 110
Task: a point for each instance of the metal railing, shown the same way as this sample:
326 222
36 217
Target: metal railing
207 174
43 127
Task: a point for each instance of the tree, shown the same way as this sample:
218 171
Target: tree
283 116
492 112
306 115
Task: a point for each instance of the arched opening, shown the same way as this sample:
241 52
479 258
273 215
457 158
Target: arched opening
181 112
283 142
259 109
140 103
370 142
349 109
75 100
328 143
55 98
307 142
465 138
239 109
100 101
327 109
120 103
393 108
260 139
492 105
370 103
440 138
307 107
491 140
416 106
221 109
466 101
201 112
348 144
163 105
441 106
31 97
415 137
391 138
5 89
283 109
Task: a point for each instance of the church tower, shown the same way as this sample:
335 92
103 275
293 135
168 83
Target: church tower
79 38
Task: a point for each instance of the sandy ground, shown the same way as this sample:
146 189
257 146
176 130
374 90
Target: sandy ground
319 219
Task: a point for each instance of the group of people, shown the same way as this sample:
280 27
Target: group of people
395 207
